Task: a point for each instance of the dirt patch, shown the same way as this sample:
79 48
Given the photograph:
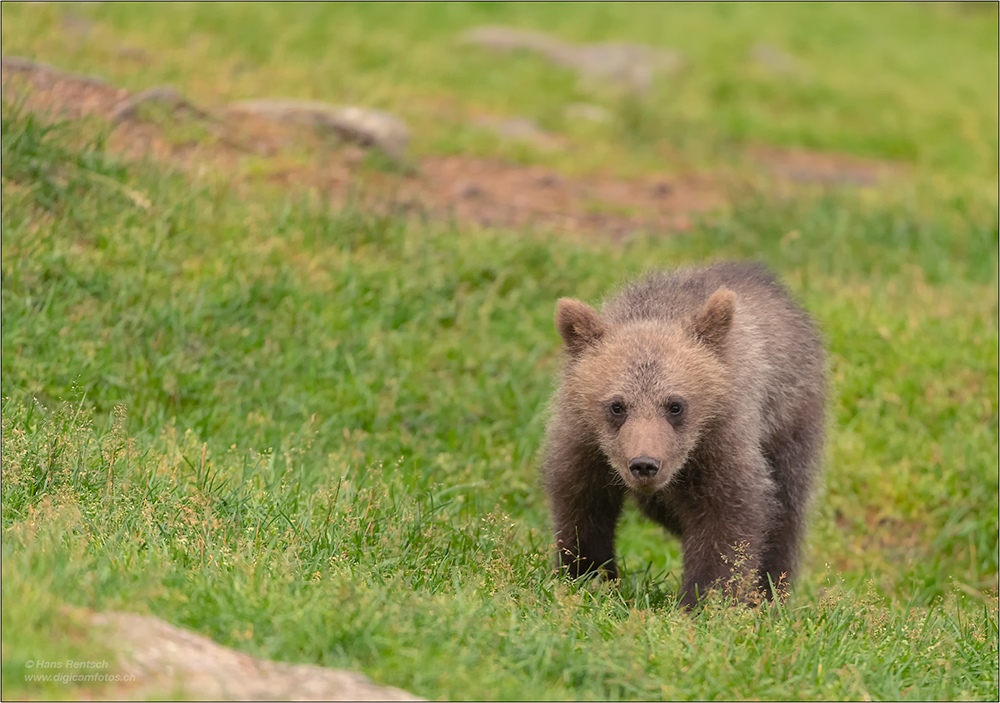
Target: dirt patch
480 192
494 193
164 660
470 191
69 95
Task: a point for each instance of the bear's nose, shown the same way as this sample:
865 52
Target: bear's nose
644 466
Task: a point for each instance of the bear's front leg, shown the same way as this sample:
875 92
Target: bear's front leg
586 502
724 522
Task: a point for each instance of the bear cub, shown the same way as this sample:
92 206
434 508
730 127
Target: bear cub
701 393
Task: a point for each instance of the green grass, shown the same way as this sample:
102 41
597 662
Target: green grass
312 434
901 81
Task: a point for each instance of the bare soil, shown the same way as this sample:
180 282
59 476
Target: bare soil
471 191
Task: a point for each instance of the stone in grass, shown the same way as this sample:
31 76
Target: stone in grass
632 66
162 658
357 124
775 60
588 112
518 129
76 24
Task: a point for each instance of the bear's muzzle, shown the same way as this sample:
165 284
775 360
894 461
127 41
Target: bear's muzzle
643 467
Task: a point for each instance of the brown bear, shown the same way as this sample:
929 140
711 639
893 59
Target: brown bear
701 393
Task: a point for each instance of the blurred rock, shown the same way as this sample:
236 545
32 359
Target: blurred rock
510 38
775 60
519 128
75 24
163 658
633 65
630 65
589 112
357 124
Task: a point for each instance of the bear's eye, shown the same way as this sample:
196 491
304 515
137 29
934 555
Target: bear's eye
617 409
675 408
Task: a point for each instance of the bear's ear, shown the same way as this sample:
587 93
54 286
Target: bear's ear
712 324
579 325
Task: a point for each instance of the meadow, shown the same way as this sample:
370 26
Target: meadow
312 432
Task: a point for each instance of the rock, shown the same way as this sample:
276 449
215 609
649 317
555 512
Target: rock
514 128
775 60
510 38
162 94
165 659
589 112
76 24
361 125
632 65
519 128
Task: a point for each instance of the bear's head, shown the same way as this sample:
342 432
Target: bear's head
647 390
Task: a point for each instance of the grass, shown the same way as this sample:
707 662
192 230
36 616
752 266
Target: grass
895 81
312 434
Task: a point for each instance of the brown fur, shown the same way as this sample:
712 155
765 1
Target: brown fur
713 379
